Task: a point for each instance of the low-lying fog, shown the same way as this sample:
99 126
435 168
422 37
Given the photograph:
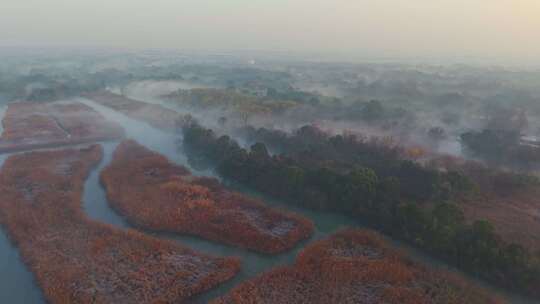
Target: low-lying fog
487 114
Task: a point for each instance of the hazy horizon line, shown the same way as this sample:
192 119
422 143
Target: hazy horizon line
323 56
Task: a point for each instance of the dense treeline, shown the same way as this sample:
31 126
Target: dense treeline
312 147
231 99
303 106
502 146
369 181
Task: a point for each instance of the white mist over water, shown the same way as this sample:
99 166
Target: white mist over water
3 109
154 139
153 89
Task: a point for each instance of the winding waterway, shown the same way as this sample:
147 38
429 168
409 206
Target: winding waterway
252 263
96 206
17 284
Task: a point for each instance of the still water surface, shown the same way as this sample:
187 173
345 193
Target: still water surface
17 284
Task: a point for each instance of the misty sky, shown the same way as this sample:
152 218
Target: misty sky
419 28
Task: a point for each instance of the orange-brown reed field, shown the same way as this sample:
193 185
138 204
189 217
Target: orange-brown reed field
30 125
155 194
78 260
354 266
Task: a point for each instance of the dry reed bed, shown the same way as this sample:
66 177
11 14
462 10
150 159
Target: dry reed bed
155 194
78 260
354 266
30 125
